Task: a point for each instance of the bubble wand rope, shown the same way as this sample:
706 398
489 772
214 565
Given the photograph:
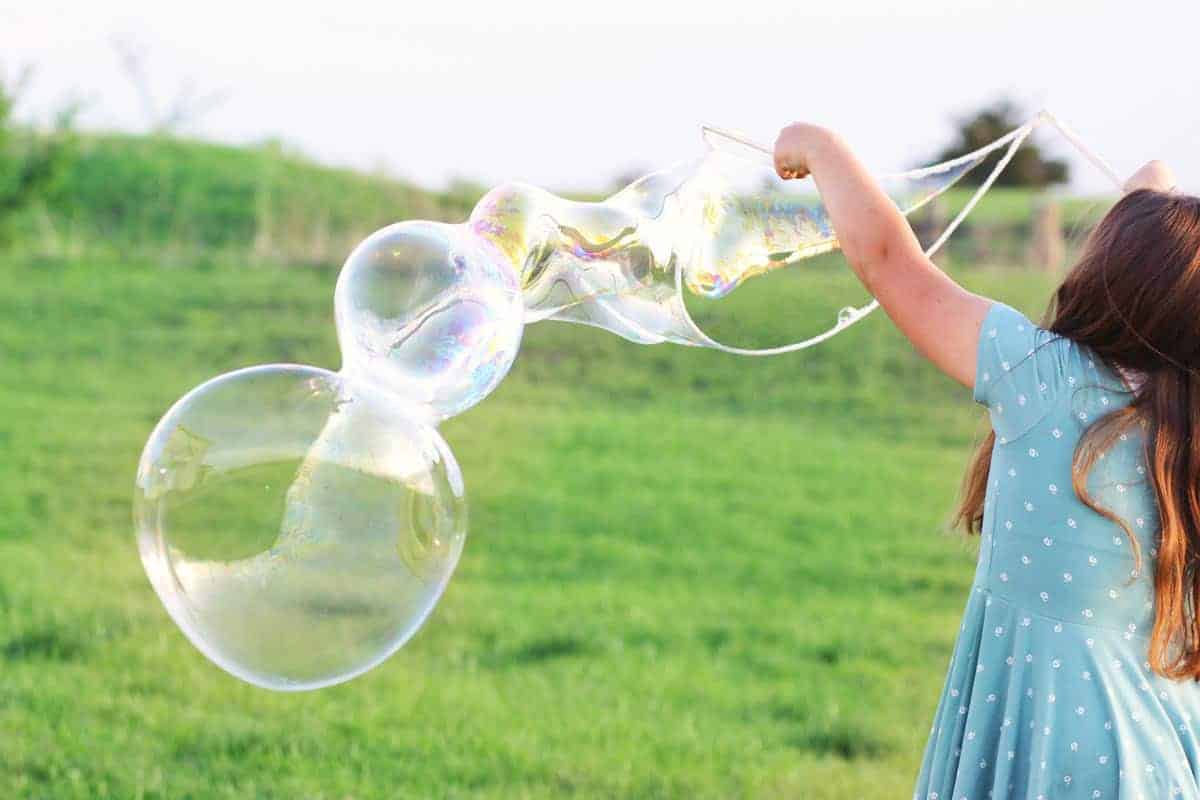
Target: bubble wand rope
850 315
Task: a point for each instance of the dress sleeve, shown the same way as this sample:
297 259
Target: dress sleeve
1020 371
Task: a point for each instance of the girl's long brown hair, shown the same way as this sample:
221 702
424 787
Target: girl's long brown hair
1134 300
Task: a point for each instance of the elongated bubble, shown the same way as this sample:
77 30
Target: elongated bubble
300 525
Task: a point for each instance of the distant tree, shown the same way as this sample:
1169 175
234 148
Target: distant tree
183 111
31 162
1029 167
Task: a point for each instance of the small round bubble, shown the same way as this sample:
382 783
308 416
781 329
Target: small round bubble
429 313
298 529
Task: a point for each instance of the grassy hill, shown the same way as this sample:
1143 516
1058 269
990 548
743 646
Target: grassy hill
135 198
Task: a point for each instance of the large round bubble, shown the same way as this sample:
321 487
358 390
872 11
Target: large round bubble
431 314
297 530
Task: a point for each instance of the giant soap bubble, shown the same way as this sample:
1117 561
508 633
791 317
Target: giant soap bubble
300 525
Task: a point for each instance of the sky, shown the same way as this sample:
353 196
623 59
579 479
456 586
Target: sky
569 96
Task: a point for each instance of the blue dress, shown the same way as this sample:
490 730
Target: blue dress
1049 693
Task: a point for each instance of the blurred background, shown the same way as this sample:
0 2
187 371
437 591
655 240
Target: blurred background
687 575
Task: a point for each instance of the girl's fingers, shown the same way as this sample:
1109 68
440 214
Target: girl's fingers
1154 175
788 166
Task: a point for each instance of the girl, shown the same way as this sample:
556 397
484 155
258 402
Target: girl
1075 671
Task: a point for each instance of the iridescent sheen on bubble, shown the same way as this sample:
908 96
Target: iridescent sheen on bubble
429 314
706 226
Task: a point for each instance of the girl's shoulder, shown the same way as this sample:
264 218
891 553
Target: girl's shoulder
1025 372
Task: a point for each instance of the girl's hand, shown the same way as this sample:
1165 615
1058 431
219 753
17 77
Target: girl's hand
1154 175
794 147
936 314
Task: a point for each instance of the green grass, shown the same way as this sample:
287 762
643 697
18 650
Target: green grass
688 575
1007 205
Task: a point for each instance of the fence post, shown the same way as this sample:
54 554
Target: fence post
929 222
1047 250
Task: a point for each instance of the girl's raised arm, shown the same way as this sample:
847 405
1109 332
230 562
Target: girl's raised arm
938 316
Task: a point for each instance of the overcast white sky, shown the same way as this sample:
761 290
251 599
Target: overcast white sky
568 97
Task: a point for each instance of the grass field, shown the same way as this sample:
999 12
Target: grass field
688 575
